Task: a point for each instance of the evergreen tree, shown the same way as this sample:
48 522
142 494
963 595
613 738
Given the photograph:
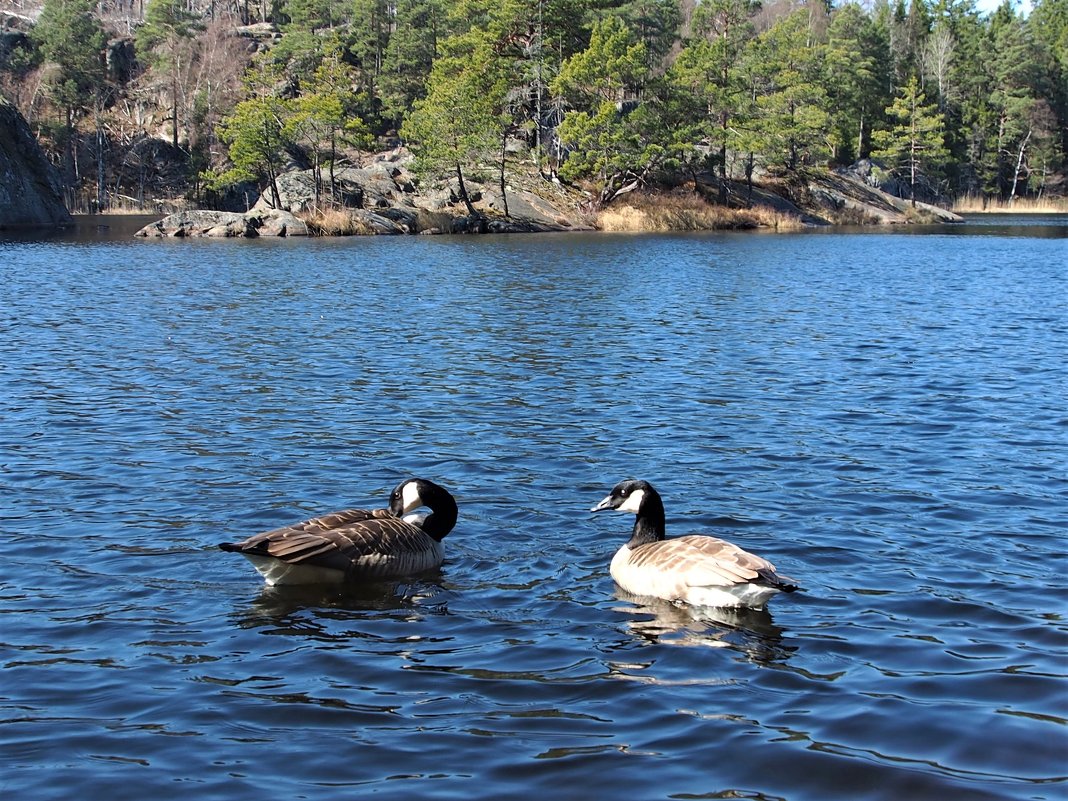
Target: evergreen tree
600 85
457 125
655 24
314 15
1013 99
409 56
370 34
709 69
256 133
72 40
791 123
71 37
855 76
1048 24
166 39
323 118
914 145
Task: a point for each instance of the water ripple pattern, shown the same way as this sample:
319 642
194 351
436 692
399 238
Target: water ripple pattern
882 415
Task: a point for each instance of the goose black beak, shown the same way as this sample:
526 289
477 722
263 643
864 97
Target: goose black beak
605 504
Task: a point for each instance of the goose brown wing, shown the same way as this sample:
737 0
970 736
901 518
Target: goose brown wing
702 561
341 541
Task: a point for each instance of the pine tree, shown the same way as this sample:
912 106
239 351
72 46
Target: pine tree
72 40
856 74
166 39
256 133
409 56
601 85
914 145
791 121
457 124
709 69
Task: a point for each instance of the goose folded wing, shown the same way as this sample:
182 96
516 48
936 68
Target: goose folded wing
337 540
713 562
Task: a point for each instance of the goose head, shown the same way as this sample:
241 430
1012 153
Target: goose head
413 493
628 496
640 499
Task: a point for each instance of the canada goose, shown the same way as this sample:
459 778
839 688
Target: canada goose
357 544
695 569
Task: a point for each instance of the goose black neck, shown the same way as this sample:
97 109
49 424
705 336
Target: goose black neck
442 517
649 524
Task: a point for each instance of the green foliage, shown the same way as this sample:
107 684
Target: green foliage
456 123
710 70
856 74
914 145
623 87
790 124
314 15
409 56
167 23
599 83
71 37
608 71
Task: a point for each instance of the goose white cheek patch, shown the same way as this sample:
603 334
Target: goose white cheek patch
410 498
633 502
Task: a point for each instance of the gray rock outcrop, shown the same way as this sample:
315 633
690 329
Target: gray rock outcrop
30 190
223 224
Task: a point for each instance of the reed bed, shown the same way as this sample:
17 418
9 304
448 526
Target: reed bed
977 204
334 222
687 212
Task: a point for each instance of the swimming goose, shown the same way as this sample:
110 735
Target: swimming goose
695 569
357 544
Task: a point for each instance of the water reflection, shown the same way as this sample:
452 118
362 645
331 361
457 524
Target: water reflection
751 632
301 609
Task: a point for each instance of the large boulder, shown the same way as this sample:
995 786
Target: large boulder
382 197
30 189
380 185
846 196
226 224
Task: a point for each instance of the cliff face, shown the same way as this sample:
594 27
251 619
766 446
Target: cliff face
29 186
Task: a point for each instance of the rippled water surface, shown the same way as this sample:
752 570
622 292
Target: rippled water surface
881 414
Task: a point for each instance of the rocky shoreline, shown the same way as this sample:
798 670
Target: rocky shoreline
384 198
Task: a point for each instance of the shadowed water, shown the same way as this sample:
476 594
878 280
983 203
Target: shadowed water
881 414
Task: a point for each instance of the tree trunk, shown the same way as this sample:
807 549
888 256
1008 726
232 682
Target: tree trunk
749 166
1019 166
472 212
333 159
276 197
912 178
504 192
724 129
174 109
101 188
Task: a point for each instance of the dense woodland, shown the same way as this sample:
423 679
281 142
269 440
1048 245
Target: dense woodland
139 99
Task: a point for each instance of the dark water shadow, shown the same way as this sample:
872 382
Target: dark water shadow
308 609
750 632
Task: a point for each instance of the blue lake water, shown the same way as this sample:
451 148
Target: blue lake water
881 413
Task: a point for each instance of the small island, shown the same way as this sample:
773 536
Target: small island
433 116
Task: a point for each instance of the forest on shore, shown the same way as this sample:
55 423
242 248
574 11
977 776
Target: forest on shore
140 100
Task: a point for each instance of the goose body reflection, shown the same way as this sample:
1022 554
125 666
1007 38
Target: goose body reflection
751 632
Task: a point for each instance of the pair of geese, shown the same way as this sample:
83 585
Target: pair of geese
380 544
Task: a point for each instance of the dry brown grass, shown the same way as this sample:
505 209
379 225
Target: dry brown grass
334 222
685 211
977 204
767 217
